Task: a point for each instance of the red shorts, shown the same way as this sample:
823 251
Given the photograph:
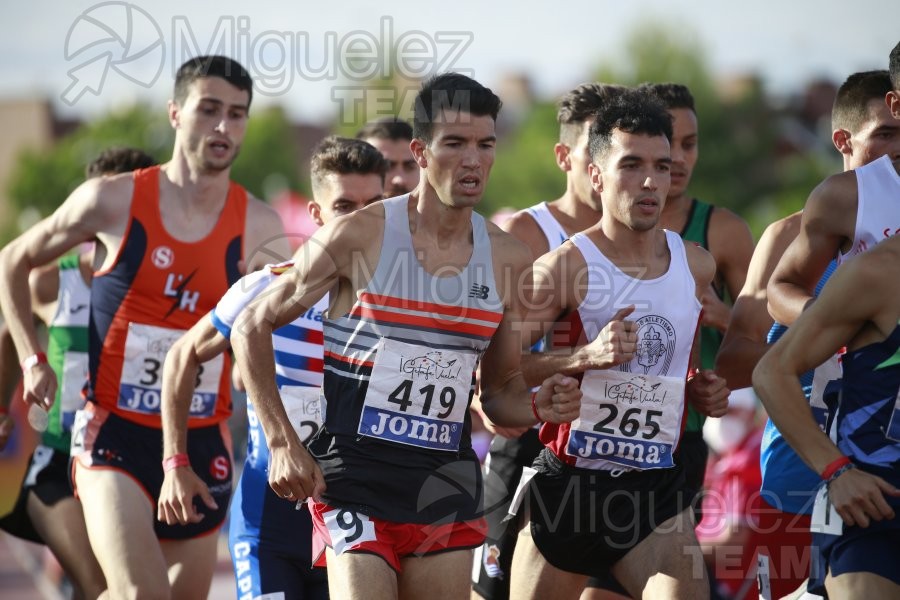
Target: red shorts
782 542
344 530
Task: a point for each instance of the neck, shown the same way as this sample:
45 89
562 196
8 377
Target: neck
633 246
577 214
446 224
194 184
674 212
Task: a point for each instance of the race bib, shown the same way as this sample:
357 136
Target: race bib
823 374
79 426
141 383
305 409
825 517
74 376
348 529
417 396
627 420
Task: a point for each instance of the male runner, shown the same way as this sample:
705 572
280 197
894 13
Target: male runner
423 290
171 239
391 136
270 541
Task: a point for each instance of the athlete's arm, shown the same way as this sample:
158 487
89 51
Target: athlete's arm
731 243
706 390
201 343
320 264
93 207
559 287
745 339
829 220
505 397
839 315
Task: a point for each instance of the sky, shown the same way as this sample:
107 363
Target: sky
90 57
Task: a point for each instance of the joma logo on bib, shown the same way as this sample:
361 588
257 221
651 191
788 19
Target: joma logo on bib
401 426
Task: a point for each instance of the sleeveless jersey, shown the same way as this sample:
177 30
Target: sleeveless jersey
399 375
157 288
787 483
255 514
878 210
697 230
67 352
550 227
632 416
867 423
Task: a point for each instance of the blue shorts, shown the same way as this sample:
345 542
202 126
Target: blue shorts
873 549
108 441
271 543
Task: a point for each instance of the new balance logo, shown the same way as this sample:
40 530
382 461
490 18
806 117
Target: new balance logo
479 291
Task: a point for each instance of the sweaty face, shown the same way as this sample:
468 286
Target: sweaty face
684 149
210 124
459 157
633 177
339 195
403 172
877 136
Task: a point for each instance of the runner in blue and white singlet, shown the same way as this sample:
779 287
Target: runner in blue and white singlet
270 541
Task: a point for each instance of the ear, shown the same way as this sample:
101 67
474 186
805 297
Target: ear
562 157
596 177
892 99
418 150
315 212
841 140
174 111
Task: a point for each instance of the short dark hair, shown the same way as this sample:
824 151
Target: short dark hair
672 95
212 66
345 156
452 91
386 128
850 109
631 111
580 105
894 67
118 160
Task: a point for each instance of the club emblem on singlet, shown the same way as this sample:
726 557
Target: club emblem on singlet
655 345
162 257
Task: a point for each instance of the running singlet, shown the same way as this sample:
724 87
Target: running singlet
867 423
878 209
550 227
632 416
399 375
67 348
157 288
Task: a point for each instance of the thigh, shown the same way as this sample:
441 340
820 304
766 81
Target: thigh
190 565
119 518
61 526
358 575
442 575
533 577
665 564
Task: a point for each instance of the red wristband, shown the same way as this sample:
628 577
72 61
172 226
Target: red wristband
35 359
534 408
833 467
175 461
692 373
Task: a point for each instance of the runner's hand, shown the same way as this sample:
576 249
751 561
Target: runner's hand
614 345
558 400
176 498
708 393
859 497
294 474
39 385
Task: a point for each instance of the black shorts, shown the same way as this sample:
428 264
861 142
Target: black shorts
111 442
48 478
503 469
693 454
584 521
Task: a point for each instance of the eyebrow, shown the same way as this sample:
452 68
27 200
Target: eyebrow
634 157
218 102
